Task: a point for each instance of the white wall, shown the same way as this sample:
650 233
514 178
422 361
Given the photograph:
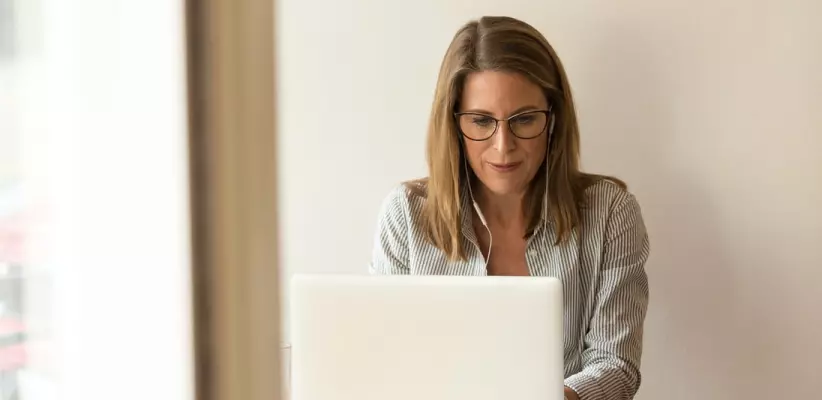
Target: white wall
711 110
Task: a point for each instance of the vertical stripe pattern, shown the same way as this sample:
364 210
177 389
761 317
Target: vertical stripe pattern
601 267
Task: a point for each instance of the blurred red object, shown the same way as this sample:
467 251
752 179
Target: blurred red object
11 239
10 326
12 357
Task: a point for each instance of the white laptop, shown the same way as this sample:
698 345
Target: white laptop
426 338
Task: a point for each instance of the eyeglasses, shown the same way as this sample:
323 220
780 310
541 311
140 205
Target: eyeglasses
525 125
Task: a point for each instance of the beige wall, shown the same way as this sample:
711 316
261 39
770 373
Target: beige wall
712 111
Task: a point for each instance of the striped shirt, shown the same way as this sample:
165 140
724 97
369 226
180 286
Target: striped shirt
601 267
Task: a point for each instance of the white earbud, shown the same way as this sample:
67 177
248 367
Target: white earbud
479 213
545 203
547 176
476 207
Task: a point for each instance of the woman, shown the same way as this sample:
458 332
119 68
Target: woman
505 196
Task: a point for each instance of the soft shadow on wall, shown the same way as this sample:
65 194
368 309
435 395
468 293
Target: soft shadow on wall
636 122
667 105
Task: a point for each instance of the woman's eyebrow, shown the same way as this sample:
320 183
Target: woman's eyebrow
526 108
517 111
477 111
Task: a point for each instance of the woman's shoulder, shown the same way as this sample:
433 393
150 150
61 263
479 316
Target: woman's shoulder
604 195
406 198
612 214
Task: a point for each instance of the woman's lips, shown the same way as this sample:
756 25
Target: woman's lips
507 167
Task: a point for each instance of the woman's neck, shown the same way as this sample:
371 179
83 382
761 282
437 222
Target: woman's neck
504 211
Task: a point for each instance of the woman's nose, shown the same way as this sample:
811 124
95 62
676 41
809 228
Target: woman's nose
504 139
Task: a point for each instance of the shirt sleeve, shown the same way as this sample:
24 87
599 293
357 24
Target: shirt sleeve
613 343
390 254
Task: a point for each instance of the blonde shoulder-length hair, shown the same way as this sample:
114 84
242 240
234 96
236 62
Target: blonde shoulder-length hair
501 44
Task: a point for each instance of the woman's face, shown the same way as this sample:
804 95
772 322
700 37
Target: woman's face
505 163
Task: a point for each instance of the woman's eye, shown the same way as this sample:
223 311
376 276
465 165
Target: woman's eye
524 119
482 121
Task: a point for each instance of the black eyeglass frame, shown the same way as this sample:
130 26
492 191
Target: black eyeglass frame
547 113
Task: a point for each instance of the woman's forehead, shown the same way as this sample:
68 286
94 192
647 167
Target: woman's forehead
500 92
